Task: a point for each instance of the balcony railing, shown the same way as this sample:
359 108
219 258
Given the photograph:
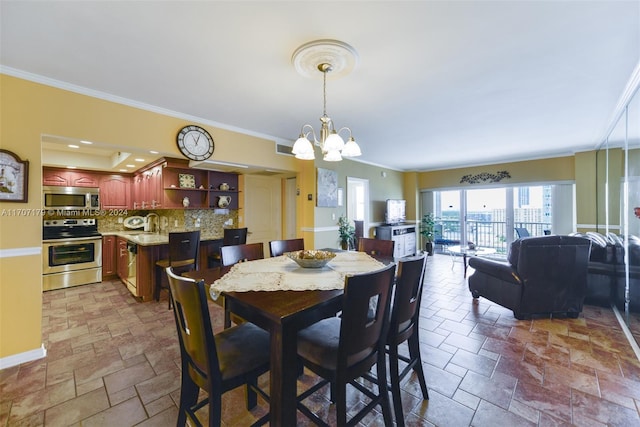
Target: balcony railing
486 234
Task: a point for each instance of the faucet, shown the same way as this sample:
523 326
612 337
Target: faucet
148 224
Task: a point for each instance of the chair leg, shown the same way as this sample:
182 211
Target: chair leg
215 410
414 352
188 396
382 389
158 284
394 373
251 395
340 398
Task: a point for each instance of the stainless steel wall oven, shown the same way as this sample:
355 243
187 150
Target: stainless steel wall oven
71 253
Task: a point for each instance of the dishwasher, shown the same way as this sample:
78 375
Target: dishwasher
132 251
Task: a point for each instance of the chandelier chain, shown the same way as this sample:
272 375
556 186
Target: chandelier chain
324 92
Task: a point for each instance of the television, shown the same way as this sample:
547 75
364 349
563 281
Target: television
396 211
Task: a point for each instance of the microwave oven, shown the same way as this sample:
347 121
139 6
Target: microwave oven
70 197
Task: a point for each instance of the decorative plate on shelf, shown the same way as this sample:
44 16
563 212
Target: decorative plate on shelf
134 222
186 180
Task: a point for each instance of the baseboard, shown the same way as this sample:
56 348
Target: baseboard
27 356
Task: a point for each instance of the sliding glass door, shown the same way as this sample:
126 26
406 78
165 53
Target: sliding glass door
489 217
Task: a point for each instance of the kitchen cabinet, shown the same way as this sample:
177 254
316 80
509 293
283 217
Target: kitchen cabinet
70 178
230 191
185 188
115 192
404 237
109 262
147 189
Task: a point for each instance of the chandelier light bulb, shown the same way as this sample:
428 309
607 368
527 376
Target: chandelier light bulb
332 156
333 142
351 148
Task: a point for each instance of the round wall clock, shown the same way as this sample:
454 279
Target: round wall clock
195 143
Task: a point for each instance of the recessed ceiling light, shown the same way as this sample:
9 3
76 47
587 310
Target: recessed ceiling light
73 146
153 152
71 167
86 142
139 160
124 170
130 166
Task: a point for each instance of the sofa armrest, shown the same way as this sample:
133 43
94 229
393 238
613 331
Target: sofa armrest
498 269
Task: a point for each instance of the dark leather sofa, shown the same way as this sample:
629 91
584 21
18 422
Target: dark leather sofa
543 276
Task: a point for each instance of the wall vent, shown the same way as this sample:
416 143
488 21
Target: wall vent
283 149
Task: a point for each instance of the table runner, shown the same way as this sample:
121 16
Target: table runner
283 274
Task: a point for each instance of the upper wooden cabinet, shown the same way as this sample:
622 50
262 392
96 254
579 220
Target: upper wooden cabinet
165 184
115 192
70 178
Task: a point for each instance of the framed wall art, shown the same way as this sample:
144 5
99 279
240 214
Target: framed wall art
327 188
14 177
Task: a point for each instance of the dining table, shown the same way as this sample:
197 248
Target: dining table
281 297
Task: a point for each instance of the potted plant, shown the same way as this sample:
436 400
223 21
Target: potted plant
347 233
427 230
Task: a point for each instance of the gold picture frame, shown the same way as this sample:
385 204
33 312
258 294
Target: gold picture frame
14 177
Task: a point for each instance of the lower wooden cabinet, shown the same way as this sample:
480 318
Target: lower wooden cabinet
109 262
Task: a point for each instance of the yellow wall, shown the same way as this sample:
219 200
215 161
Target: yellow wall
553 169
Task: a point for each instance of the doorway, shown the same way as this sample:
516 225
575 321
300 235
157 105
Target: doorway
358 202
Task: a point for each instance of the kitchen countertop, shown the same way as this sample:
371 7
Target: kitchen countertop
153 239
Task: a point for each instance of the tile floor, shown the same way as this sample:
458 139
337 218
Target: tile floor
115 362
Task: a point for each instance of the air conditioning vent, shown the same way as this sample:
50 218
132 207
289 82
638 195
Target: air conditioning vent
283 149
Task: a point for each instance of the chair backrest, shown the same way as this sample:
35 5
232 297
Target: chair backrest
365 317
234 236
278 247
522 232
184 248
377 247
197 343
239 253
407 296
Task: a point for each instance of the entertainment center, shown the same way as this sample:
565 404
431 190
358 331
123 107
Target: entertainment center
404 236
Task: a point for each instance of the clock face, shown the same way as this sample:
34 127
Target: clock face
195 143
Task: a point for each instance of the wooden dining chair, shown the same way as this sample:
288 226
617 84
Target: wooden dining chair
214 363
343 349
230 237
278 247
405 313
376 247
183 257
239 253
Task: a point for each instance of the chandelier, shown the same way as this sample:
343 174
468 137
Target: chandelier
325 56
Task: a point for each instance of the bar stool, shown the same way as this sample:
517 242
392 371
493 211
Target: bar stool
183 257
231 237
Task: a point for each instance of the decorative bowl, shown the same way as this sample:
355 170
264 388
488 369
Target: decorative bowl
311 258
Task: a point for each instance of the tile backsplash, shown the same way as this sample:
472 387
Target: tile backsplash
211 221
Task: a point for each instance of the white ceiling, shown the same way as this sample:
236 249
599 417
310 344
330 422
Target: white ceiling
439 84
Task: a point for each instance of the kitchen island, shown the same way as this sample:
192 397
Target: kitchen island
131 256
